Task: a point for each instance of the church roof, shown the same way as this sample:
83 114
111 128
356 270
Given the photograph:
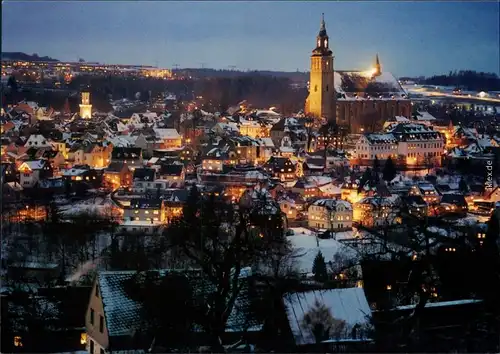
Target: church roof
354 82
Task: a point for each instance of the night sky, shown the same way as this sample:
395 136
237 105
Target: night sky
412 38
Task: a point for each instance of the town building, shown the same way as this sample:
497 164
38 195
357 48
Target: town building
410 144
31 172
331 214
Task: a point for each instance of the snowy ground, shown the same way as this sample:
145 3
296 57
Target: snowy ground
98 205
307 246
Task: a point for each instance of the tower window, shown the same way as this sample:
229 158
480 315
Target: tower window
316 88
327 88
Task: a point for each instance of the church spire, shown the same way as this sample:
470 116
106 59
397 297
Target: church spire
322 27
378 68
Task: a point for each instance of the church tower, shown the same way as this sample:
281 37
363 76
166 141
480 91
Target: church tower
321 100
85 106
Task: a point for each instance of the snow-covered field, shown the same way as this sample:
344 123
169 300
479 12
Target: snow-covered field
98 205
307 246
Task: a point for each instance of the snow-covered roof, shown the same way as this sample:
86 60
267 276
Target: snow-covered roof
267 113
378 138
349 82
73 172
441 304
426 116
123 140
348 305
330 189
123 314
33 165
333 204
267 142
164 133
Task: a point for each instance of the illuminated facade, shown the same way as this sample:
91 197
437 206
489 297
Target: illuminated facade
85 106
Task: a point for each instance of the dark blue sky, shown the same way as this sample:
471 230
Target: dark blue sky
412 38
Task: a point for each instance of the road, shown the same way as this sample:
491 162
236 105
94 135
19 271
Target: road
427 92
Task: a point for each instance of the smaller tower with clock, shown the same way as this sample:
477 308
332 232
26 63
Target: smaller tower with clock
85 106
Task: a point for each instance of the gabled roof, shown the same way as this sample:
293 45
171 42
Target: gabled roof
143 203
34 165
453 198
171 169
367 83
414 200
144 174
123 153
333 204
277 163
115 167
123 314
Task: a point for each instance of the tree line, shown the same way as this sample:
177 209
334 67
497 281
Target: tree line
469 80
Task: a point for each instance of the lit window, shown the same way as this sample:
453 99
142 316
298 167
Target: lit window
18 341
83 338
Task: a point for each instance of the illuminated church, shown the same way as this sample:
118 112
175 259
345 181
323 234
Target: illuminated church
359 100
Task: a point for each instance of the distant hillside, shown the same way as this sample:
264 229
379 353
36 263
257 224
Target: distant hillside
207 72
25 57
465 79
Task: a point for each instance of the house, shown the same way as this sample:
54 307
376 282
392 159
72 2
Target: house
173 173
62 308
113 318
427 191
331 214
376 211
306 189
169 138
131 156
415 205
148 143
142 179
438 322
97 155
82 174
31 172
54 157
8 173
251 128
143 215
314 166
118 174
281 168
288 208
452 203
